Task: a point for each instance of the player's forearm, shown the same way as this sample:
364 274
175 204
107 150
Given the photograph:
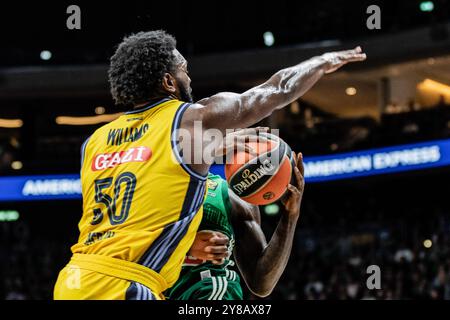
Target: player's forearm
228 110
280 90
290 84
274 258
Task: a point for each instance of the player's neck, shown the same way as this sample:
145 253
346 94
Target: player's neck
152 100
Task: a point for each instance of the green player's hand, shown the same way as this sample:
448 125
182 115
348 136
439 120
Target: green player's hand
294 195
210 246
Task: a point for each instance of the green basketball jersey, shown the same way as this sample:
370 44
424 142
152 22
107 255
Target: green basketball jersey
217 208
201 279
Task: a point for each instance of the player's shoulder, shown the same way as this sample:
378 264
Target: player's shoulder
192 112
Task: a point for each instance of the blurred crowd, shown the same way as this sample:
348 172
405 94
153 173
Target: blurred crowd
329 259
316 132
403 231
337 270
30 263
400 224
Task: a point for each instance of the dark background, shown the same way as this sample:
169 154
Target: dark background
344 227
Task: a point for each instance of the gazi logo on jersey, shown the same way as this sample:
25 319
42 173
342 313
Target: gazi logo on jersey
110 160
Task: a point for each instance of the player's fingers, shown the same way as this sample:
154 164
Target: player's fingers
353 55
249 131
356 50
356 57
294 156
217 256
300 164
255 138
216 249
259 137
347 54
210 234
298 178
290 191
250 150
242 146
219 235
241 143
206 234
294 191
219 241
219 261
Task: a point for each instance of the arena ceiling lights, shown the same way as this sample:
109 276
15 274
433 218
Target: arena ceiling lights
11 123
85 121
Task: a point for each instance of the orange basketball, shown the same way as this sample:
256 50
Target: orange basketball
263 178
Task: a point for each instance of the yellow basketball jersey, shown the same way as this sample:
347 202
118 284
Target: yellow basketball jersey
140 202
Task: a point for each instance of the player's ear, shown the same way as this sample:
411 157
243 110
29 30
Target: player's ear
169 83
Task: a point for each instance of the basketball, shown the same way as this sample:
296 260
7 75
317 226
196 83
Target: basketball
262 178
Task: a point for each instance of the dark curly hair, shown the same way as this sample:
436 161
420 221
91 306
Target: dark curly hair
139 64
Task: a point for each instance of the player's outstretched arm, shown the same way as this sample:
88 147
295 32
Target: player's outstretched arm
262 263
230 110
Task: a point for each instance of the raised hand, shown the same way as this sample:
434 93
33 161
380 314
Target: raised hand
337 59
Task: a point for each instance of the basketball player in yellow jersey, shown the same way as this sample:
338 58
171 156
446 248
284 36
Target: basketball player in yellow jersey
142 196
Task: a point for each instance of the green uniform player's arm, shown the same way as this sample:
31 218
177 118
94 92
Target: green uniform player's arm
261 263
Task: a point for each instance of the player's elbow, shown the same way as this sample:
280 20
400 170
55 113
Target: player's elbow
260 287
261 292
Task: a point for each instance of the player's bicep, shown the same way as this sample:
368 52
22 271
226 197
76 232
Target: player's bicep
224 99
228 110
231 110
221 111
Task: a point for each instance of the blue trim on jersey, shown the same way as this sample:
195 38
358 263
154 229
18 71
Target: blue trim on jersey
148 107
189 198
161 249
175 127
83 150
163 256
137 291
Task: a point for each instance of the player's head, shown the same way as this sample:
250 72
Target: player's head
147 65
